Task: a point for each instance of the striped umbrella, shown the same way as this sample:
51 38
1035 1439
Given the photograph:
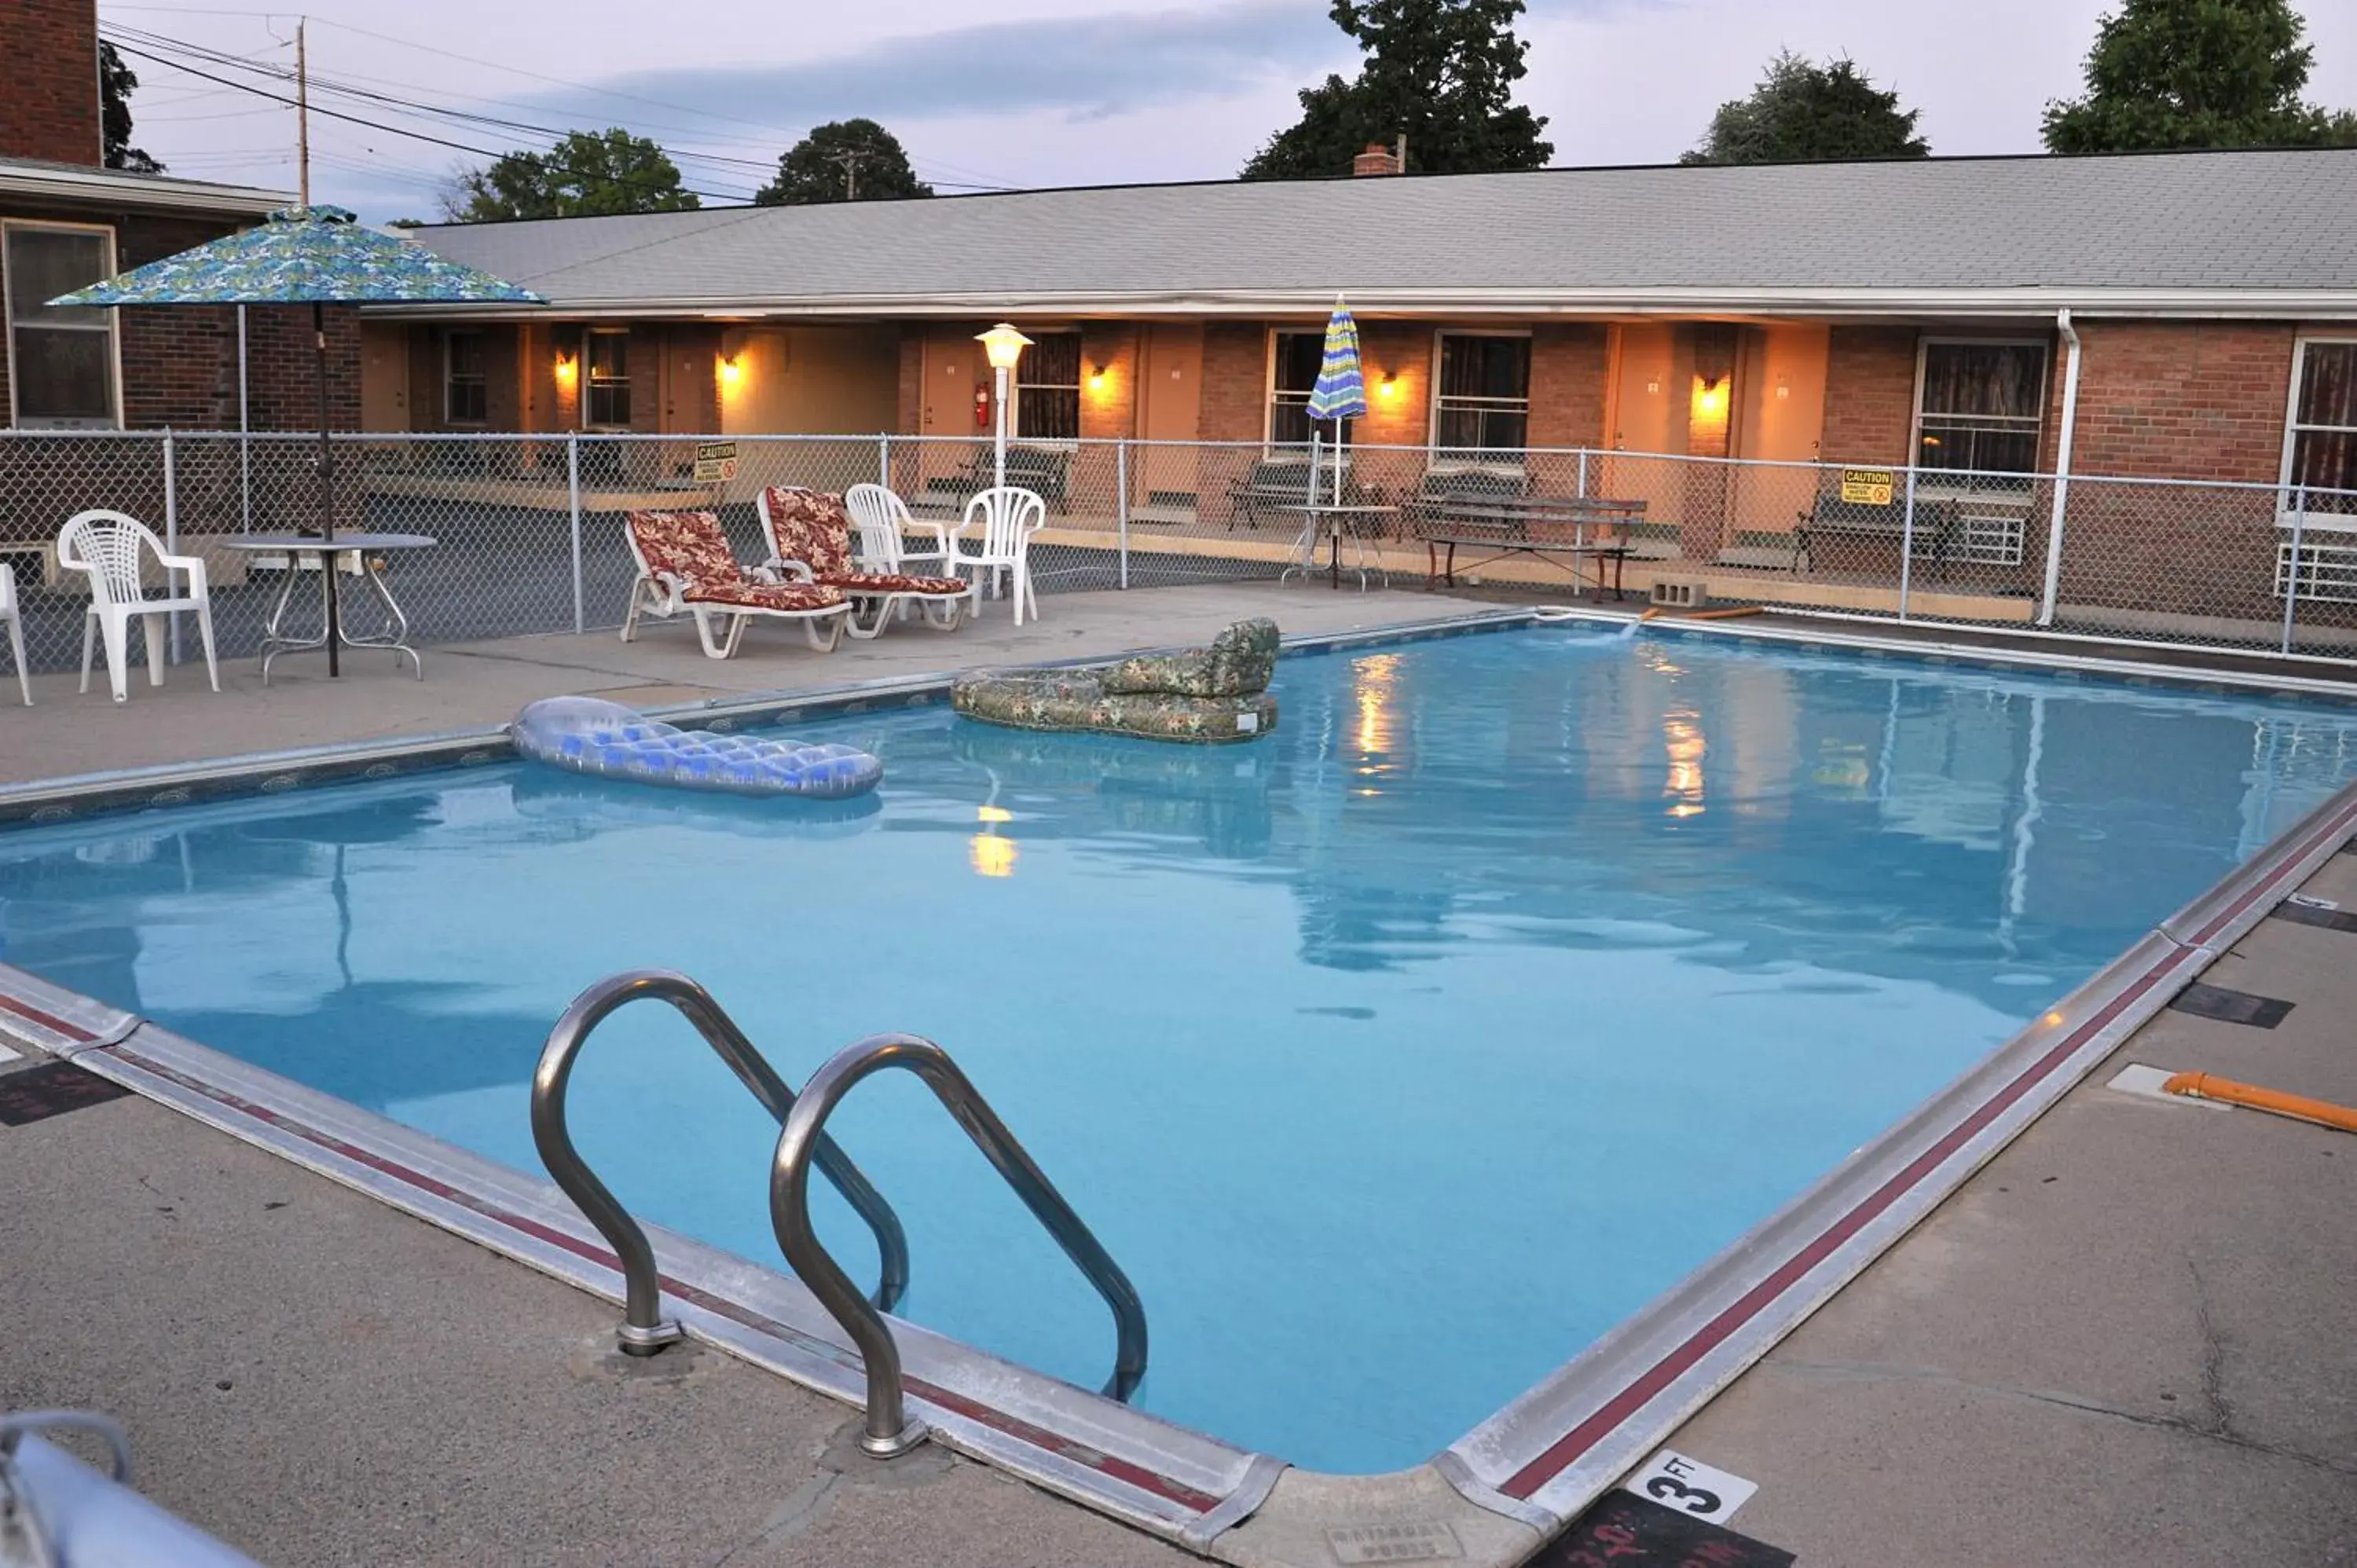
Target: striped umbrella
1340 391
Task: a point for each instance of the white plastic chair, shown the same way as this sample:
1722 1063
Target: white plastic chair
1008 516
883 522
107 545
15 619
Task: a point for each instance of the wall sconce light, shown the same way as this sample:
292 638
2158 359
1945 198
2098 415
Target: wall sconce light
732 369
1388 388
1097 378
1710 397
566 367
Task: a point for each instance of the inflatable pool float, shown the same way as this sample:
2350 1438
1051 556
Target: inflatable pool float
1204 694
608 740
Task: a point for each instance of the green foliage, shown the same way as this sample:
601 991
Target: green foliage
590 172
1440 72
115 82
844 160
1805 113
2196 73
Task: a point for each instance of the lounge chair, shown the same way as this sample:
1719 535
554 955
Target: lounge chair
686 567
14 616
110 547
810 538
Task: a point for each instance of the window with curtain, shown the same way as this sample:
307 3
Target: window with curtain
608 375
466 386
2320 448
1296 358
1981 408
60 361
1482 400
1048 389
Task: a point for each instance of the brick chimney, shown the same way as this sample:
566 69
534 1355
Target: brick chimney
1377 159
50 108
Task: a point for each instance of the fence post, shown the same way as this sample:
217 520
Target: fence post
1582 491
573 506
1121 503
172 523
884 459
2291 576
1907 545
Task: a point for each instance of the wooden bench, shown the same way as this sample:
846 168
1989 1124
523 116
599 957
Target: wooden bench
1580 528
1045 471
1939 527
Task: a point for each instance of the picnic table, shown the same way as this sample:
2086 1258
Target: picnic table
1545 527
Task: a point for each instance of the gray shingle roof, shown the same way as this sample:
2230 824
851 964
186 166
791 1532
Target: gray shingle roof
2054 231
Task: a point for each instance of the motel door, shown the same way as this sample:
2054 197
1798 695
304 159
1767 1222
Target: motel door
1164 481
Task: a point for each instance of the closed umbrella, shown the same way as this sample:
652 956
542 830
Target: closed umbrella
1340 391
317 257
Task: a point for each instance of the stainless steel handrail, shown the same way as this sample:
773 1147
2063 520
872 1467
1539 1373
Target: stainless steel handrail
644 1329
889 1430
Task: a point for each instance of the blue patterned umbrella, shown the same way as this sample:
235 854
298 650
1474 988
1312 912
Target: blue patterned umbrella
307 255
1340 391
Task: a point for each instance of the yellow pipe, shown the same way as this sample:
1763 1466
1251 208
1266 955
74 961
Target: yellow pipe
1653 614
2299 1107
1728 614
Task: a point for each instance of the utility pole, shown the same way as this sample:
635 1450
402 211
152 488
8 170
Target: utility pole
302 112
849 160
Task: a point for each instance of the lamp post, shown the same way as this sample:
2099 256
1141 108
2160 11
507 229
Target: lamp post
1005 346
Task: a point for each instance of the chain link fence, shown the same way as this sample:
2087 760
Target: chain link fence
528 539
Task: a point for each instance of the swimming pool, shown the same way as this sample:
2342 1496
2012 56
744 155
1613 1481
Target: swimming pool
1396 1057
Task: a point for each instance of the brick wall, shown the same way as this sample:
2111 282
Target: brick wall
2184 401
50 107
1869 395
1569 365
1236 381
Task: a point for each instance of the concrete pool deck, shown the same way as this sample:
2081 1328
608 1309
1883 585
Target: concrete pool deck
2126 1340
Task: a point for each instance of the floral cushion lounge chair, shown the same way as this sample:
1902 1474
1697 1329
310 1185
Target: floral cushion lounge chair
686 566
810 537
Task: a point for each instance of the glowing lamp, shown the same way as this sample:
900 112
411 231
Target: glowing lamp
1096 378
1004 345
1710 397
1388 388
732 370
564 367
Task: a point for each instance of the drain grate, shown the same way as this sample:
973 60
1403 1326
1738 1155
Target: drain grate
2301 912
1625 1529
50 1090
2228 1007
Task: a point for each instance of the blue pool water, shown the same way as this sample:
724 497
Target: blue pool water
1397 1057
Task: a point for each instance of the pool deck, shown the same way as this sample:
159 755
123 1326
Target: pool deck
2130 1339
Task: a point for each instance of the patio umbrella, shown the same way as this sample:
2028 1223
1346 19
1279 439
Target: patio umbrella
1340 391
317 257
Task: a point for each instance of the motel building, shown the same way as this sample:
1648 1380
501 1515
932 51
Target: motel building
1689 336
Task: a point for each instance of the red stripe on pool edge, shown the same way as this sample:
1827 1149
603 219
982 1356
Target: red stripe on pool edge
1560 1455
1039 1437
2337 828
48 1021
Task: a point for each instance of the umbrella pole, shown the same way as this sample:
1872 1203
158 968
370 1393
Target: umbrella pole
327 490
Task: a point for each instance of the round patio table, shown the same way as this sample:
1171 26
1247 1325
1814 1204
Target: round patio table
1333 520
303 551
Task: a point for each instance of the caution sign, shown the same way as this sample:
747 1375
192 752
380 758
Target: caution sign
1863 486
715 461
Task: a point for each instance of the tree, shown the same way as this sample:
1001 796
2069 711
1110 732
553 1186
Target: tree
1805 113
115 82
590 172
843 160
1440 73
2196 73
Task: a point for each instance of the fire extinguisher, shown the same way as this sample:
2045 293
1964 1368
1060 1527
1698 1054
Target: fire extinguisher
981 406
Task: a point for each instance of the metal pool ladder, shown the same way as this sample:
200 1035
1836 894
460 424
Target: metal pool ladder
803 1142
890 1431
644 1329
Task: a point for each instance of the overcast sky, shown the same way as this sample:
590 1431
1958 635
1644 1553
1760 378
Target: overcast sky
1054 91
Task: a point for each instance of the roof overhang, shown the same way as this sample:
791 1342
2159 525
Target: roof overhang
2244 305
115 190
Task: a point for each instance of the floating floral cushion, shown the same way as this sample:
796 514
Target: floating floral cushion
687 545
1239 663
895 583
766 595
809 526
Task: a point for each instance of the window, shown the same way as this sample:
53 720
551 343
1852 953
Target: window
1048 389
1295 357
610 380
2320 446
1482 400
1980 409
60 361
465 387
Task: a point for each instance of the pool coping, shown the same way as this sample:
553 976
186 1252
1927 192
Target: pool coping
1502 1488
